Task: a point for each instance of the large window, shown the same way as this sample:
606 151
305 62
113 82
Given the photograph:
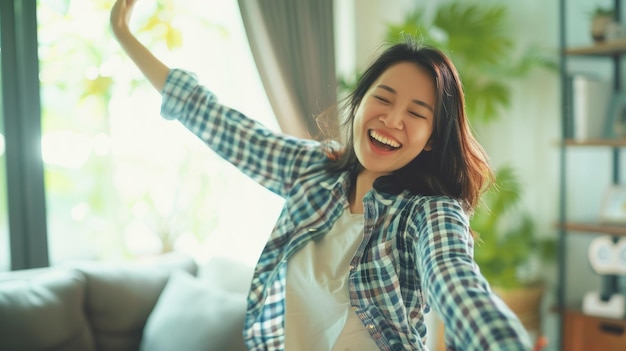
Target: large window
122 182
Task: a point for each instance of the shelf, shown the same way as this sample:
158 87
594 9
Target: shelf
577 311
583 332
613 229
596 142
609 48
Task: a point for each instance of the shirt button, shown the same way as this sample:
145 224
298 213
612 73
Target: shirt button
351 267
370 326
354 308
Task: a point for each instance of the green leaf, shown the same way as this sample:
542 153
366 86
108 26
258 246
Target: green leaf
413 25
465 22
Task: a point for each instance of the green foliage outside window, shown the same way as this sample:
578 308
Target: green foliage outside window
101 176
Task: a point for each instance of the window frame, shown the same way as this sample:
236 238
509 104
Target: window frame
22 128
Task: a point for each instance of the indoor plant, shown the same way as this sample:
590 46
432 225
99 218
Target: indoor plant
601 19
509 252
508 245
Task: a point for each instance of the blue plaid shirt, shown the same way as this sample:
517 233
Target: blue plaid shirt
416 251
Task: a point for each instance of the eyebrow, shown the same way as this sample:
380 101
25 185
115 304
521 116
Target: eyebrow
419 102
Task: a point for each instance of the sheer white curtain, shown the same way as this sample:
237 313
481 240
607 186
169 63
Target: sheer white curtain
293 45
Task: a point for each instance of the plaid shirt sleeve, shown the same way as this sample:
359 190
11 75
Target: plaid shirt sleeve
265 156
474 317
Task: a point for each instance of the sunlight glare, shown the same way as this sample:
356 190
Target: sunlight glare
92 73
101 144
65 149
80 211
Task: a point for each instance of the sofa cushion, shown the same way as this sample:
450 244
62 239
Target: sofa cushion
42 309
121 296
193 315
227 274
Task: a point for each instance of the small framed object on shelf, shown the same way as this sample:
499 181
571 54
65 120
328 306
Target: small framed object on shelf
614 205
616 117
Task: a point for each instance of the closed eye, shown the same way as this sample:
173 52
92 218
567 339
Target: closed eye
380 98
415 114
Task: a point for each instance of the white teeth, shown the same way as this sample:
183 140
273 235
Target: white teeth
383 139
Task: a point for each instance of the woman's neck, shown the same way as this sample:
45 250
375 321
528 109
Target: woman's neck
363 183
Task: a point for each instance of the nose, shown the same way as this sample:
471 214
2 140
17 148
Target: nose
393 119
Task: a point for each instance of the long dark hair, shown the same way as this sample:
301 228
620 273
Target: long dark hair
457 165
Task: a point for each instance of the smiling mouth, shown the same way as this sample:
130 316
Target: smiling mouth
382 141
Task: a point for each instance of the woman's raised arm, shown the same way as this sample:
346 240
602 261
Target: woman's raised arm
151 67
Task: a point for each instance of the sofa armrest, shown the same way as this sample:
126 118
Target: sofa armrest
42 309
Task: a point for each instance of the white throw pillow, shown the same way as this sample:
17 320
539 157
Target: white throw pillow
192 315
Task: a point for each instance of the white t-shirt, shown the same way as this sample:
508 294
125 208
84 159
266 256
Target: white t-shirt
318 315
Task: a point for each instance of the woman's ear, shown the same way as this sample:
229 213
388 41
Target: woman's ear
429 145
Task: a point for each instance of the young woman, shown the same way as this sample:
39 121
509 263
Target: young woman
373 234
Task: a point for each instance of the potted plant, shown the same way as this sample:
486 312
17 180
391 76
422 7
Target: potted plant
601 19
509 252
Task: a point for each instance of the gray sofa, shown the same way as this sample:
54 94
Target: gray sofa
166 303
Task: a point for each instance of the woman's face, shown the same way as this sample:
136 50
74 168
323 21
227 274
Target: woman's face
394 120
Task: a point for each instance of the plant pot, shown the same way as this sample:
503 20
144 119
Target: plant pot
599 25
525 302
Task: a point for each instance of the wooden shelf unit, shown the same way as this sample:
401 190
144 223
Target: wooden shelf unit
608 48
578 331
596 142
597 228
593 333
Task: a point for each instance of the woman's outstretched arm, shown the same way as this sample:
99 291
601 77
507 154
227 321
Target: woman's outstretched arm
151 67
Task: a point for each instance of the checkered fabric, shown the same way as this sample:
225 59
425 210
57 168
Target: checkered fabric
416 251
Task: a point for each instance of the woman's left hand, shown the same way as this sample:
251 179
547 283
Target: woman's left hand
541 343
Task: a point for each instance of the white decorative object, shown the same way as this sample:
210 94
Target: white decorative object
590 98
620 256
602 255
594 305
608 258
